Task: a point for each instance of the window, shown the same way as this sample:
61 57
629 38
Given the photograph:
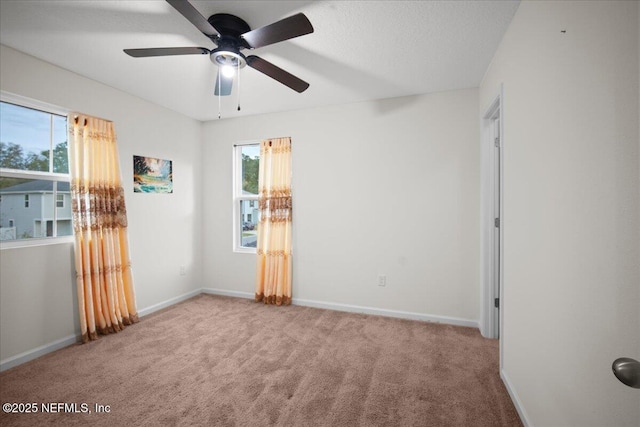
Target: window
245 195
34 171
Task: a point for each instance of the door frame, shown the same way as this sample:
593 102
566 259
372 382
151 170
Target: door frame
491 325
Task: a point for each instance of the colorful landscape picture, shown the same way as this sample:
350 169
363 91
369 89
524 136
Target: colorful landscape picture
151 175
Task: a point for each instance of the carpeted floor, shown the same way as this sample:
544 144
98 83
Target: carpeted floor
225 361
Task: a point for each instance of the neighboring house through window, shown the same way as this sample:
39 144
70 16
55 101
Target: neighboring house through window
245 195
34 171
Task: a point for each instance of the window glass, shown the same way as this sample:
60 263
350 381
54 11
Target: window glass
25 135
60 152
31 215
249 219
33 205
250 163
246 213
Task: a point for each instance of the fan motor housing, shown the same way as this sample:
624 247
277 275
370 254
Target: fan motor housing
229 25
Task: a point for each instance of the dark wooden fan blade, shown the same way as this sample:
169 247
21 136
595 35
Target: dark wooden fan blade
223 85
166 51
187 10
288 28
277 73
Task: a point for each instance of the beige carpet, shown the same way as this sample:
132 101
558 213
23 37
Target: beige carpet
225 361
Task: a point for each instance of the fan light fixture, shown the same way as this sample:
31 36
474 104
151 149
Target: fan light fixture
227 57
228 71
229 60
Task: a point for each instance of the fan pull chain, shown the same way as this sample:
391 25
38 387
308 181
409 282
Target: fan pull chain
219 94
238 69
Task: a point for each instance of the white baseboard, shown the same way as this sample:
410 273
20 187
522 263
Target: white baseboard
168 303
389 313
227 293
356 309
21 358
515 399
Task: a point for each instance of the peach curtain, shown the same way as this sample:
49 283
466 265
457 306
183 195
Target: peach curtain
273 277
106 298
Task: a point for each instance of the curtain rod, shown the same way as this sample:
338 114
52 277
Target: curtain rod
257 141
277 137
76 116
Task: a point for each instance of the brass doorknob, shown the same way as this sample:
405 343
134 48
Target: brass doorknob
627 370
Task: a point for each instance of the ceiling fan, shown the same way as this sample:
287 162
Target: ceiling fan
232 34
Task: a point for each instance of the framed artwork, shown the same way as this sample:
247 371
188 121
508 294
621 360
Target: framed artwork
151 175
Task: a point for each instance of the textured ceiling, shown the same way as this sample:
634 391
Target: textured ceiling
360 50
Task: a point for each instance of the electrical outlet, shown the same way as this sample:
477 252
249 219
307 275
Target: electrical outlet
183 270
382 280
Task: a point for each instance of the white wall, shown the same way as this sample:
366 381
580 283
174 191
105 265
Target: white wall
385 187
571 209
37 295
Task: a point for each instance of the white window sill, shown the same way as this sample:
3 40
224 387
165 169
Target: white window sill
245 250
25 243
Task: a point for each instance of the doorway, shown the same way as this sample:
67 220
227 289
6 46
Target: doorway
497 217
492 218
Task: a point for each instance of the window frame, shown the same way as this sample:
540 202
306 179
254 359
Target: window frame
56 177
238 198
